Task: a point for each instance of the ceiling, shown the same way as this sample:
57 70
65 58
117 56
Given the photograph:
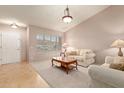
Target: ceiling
47 16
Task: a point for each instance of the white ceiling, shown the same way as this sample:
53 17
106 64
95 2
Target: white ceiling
47 16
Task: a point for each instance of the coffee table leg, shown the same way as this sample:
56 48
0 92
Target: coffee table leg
52 62
67 69
76 65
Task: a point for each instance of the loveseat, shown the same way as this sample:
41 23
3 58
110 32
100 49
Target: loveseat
85 57
104 77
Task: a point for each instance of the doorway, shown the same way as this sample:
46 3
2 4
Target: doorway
10 47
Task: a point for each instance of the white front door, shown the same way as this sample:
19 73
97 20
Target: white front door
10 47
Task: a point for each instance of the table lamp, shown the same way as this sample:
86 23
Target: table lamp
118 44
64 46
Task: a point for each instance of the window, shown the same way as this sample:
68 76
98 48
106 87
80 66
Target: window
53 38
48 42
40 37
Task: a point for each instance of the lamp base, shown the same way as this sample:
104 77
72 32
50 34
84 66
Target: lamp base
120 53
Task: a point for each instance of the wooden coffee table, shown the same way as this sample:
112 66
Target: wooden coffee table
67 62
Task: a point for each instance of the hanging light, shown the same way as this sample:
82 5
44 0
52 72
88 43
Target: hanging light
14 25
67 18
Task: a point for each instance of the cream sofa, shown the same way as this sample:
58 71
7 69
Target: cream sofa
85 57
103 76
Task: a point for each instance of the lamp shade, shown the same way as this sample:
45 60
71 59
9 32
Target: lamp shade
118 43
67 19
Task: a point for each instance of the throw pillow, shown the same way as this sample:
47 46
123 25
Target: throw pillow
118 59
118 66
85 51
73 53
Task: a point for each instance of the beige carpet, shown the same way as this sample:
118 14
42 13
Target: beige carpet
57 78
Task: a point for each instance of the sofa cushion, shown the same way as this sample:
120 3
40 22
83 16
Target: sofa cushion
72 53
105 65
78 51
85 51
79 58
110 59
89 56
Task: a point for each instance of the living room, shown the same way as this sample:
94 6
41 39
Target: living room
61 46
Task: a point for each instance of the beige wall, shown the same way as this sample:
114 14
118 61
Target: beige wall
22 32
34 53
98 32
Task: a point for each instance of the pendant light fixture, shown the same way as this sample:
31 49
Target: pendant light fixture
67 18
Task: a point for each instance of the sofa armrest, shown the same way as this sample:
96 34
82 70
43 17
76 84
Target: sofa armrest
112 77
109 59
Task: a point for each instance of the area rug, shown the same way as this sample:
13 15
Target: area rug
57 78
